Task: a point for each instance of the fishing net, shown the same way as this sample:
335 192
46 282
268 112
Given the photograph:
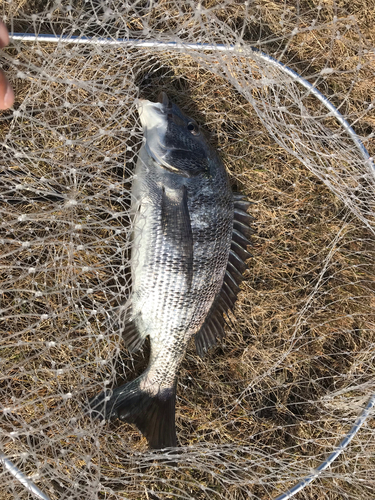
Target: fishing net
296 368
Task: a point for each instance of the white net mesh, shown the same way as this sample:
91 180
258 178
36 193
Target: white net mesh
269 404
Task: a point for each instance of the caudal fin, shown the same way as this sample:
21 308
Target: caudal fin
153 414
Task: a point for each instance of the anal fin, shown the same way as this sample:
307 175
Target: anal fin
176 226
126 324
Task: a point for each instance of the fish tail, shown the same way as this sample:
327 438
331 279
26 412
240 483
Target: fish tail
152 412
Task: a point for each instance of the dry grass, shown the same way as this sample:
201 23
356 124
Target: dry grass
271 401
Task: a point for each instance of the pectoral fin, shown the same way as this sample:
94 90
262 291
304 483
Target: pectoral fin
176 227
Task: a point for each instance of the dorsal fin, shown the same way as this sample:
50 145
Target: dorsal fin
213 327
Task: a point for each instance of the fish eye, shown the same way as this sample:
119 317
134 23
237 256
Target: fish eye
193 128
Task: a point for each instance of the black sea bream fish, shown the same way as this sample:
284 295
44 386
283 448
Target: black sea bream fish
189 245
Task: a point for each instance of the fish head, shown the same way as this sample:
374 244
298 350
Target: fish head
172 139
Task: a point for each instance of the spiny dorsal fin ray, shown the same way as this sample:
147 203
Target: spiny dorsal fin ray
217 320
213 327
238 263
243 228
236 275
231 282
240 251
211 334
243 216
242 204
239 238
242 197
229 294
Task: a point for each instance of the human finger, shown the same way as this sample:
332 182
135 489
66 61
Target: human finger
6 92
4 35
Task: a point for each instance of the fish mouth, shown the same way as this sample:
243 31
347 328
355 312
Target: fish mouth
154 121
164 100
155 115
152 114
154 118
161 107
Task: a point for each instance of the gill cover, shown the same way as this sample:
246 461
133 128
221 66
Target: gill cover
173 139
